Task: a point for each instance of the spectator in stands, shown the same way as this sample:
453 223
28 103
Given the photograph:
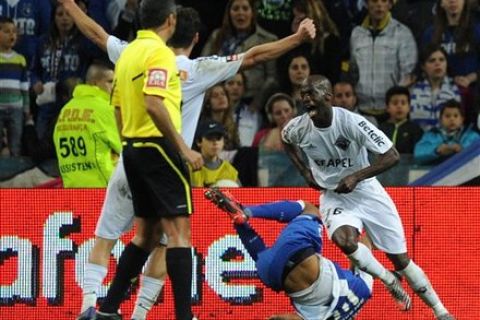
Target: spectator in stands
274 166
59 56
247 117
210 141
395 57
43 165
32 18
398 128
240 32
456 30
217 107
14 85
402 132
322 52
275 16
86 137
409 11
128 21
344 96
433 89
346 14
450 138
292 72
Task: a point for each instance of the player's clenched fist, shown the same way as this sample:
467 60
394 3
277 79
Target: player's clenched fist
307 29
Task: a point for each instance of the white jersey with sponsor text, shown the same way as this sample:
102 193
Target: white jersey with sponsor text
197 76
339 150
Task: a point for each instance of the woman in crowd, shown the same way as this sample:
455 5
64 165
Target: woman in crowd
292 73
433 89
456 30
274 165
217 107
247 117
323 52
59 56
238 33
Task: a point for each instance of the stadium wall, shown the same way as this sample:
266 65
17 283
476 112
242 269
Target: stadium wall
45 236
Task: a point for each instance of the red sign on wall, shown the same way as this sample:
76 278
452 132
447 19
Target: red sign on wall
45 237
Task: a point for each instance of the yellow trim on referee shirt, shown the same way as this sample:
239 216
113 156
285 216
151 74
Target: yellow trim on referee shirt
170 162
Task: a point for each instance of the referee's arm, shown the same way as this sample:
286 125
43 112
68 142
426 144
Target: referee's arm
160 116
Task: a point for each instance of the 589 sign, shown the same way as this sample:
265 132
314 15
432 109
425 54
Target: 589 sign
72 146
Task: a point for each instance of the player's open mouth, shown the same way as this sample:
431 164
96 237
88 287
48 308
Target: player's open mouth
312 113
311 110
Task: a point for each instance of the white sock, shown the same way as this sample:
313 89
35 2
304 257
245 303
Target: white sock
92 280
148 294
365 261
419 282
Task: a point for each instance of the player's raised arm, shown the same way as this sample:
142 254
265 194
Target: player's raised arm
85 24
272 50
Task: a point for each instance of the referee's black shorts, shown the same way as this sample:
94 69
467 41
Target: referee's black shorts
158 178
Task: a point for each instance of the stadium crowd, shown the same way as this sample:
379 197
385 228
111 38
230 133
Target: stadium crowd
410 67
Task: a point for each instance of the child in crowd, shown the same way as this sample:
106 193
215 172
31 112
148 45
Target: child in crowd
450 138
14 98
403 132
210 140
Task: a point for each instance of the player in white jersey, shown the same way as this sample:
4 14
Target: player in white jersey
335 142
197 76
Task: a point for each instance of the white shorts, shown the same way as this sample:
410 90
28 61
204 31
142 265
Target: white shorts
367 206
117 215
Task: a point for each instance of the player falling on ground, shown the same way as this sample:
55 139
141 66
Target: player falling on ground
318 288
335 142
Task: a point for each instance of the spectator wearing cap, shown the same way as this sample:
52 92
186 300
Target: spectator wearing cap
210 140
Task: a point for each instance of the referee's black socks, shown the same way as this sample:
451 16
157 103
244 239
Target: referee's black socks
179 267
129 267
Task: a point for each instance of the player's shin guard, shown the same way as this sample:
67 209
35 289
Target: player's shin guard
149 291
419 282
283 211
179 268
92 280
129 267
250 239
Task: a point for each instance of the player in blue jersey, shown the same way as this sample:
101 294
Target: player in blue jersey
318 288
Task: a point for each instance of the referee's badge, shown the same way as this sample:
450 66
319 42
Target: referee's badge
157 78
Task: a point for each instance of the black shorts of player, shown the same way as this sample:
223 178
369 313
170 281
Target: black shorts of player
158 178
